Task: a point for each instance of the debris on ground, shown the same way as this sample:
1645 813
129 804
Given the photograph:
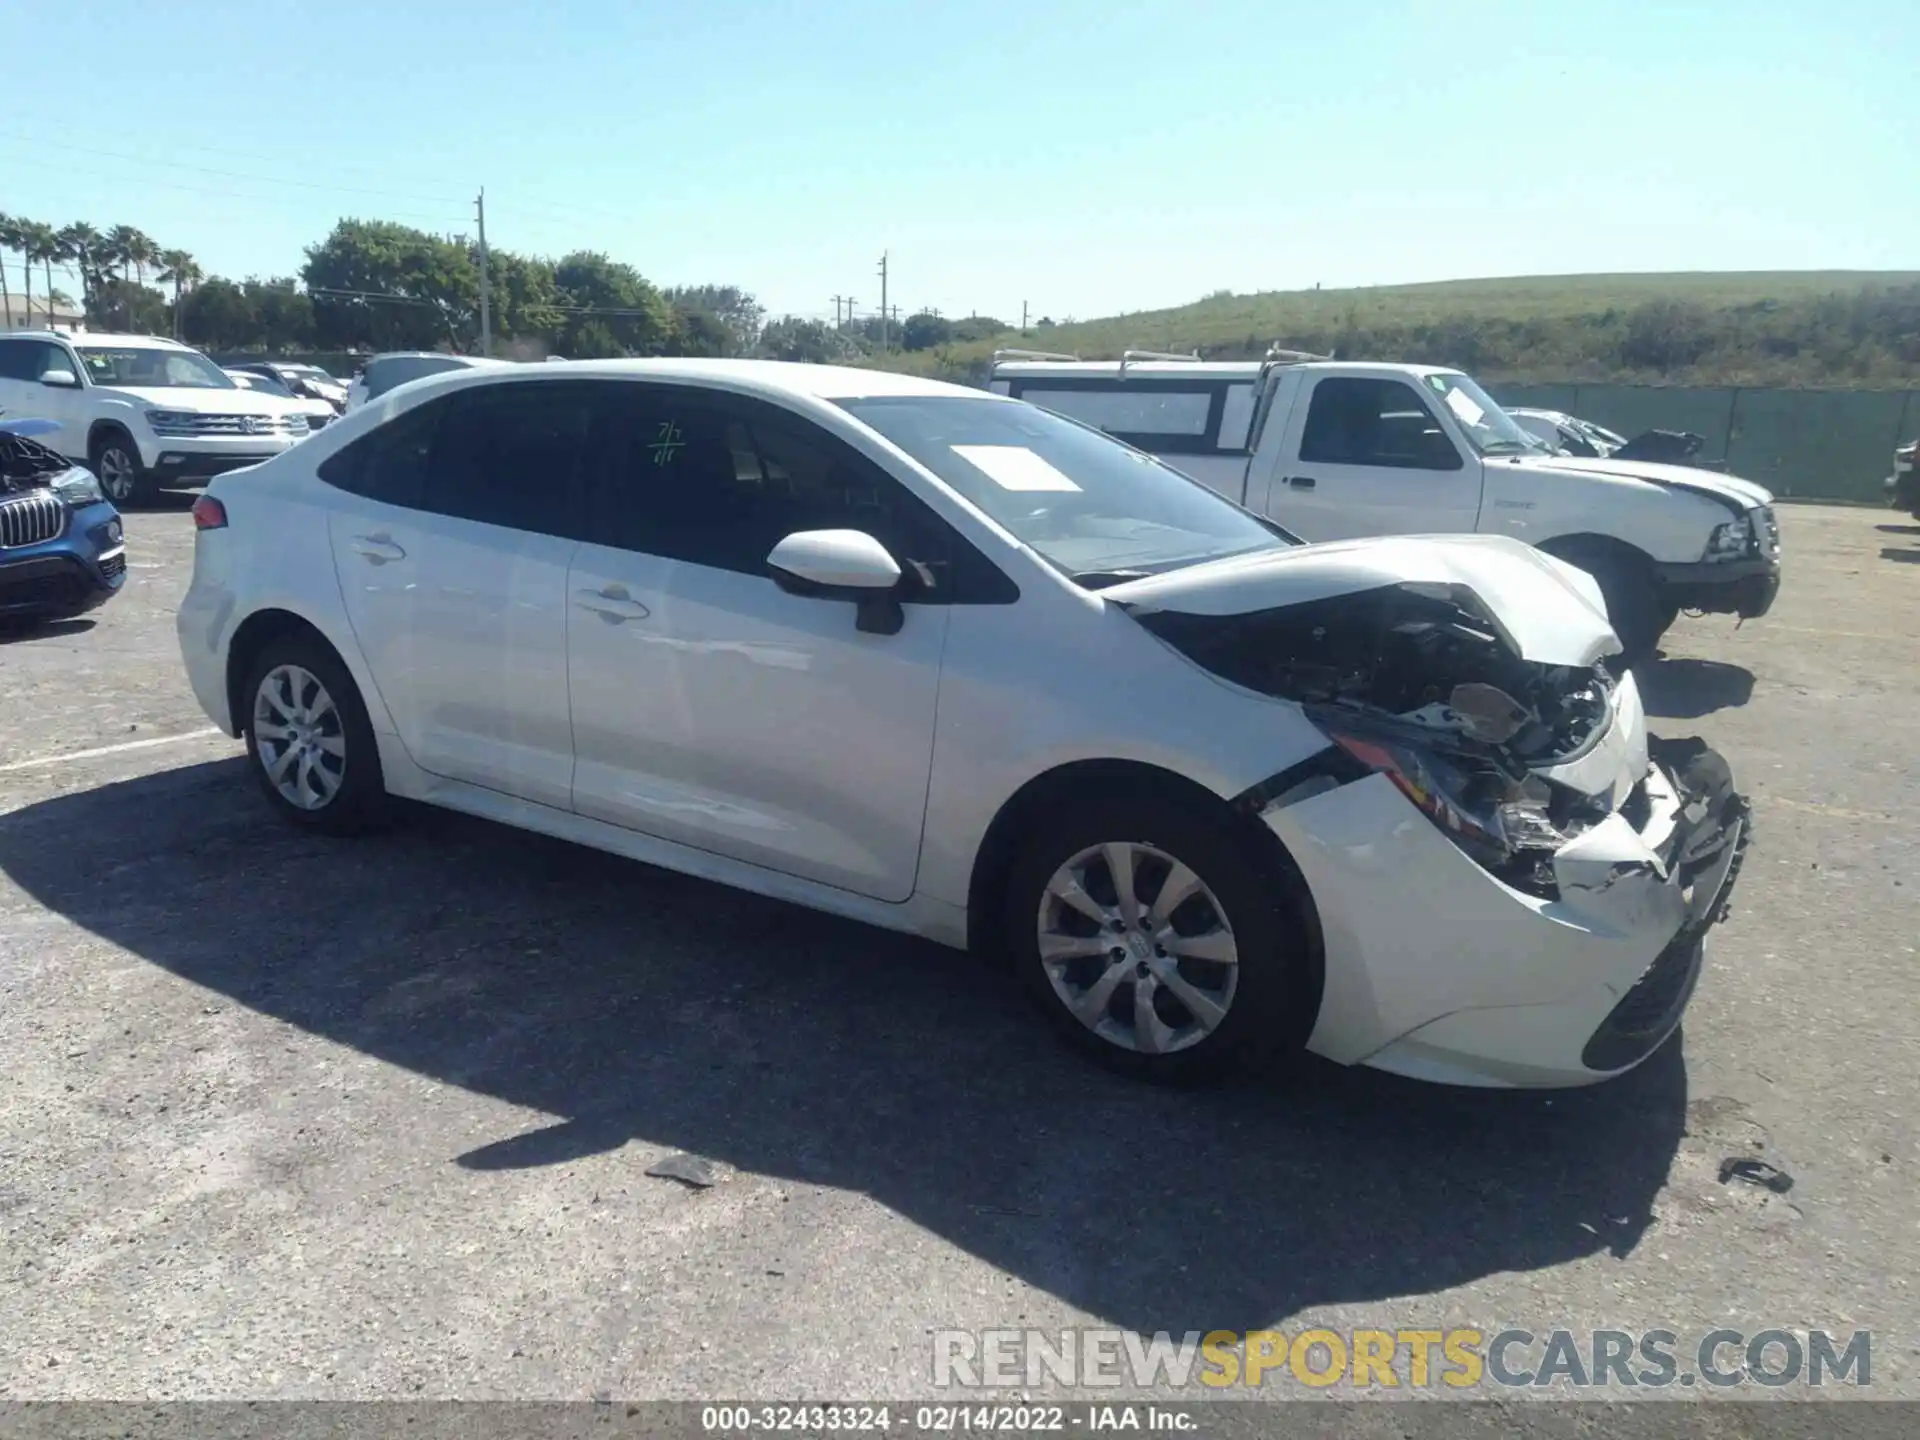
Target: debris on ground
1755 1172
688 1169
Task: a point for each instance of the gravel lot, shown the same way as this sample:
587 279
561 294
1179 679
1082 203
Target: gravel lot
293 1118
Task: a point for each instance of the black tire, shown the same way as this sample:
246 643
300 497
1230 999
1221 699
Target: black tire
358 801
1272 1004
114 454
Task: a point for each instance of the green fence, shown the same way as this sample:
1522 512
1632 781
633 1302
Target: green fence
1810 444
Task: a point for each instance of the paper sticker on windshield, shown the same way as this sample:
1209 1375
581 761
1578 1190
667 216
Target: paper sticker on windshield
1462 405
1014 467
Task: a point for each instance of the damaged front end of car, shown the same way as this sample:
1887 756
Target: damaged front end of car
1539 771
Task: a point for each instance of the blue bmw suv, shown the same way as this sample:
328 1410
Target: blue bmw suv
61 548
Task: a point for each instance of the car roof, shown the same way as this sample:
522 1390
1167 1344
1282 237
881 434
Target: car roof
763 377
151 342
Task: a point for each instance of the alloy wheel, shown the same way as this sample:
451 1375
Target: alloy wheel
1137 948
117 474
300 737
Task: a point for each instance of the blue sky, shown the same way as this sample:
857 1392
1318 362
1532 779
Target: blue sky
1083 157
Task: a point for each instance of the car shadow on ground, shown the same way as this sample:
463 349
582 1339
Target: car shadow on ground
12 631
1898 529
1682 688
1901 557
631 1003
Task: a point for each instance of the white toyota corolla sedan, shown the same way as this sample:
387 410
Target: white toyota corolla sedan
954 665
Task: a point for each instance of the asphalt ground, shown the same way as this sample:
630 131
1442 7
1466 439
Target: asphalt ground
283 1117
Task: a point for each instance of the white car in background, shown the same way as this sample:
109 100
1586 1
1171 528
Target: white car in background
139 411
318 412
384 372
958 666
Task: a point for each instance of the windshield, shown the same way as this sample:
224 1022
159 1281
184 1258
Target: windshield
150 367
1089 505
1488 428
246 380
309 372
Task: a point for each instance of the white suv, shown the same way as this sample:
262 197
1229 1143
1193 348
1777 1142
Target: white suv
141 412
956 665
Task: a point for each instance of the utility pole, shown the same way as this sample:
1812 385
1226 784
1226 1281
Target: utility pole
486 294
1023 314
836 310
883 302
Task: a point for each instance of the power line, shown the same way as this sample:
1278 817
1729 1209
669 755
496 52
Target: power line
232 194
230 174
229 151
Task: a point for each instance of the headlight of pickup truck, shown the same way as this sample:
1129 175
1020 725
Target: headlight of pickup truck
1731 541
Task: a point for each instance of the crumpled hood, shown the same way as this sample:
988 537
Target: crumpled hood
1730 490
198 401
1550 611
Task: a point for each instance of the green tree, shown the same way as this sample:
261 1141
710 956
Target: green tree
180 270
82 243
604 292
924 331
43 246
219 316
739 312
282 315
526 299
812 342
377 285
127 306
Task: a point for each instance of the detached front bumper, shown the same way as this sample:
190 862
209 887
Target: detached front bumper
1437 970
1734 587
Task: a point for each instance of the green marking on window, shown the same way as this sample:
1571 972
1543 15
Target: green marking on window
667 443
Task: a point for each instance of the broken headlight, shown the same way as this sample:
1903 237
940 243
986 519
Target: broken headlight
1732 540
1501 821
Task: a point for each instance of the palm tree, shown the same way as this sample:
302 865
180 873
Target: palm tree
122 241
83 244
8 227
180 271
43 244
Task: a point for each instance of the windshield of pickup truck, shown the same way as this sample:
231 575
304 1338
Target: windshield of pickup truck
150 367
1095 508
1488 428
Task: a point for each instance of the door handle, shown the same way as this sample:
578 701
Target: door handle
377 549
614 606
1300 482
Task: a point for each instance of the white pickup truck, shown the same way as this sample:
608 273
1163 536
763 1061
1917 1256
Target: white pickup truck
1332 450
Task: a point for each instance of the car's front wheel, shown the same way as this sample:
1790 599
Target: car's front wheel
115 460
1162 939
309 738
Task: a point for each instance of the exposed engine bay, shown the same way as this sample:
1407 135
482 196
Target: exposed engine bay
27 464
1420 683
1426 654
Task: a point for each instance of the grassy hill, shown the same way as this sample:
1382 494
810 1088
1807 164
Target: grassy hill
1840 328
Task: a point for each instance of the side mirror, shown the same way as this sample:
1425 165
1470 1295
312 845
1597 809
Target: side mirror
842 565
61 379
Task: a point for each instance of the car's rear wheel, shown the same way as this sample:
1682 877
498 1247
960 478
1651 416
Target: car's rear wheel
1162 940
115 461
309 738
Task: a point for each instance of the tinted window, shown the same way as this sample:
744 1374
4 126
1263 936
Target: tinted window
28 359
1236 417
720 480
510 455
1352 421
389 464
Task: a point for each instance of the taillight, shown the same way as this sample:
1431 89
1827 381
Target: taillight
209 514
